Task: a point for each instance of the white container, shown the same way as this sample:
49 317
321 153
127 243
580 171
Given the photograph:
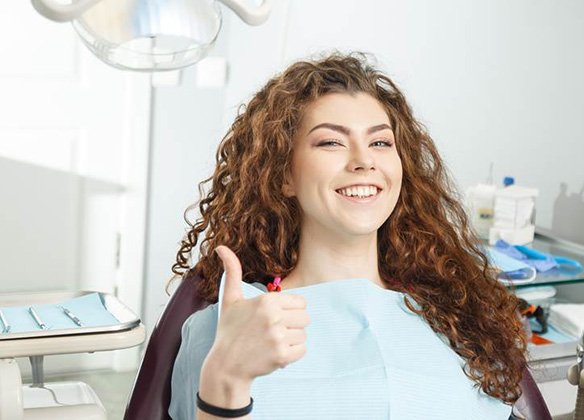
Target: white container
480 203
514 215
522 236
514 207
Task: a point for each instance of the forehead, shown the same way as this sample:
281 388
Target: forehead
359 109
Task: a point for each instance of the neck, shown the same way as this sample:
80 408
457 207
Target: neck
325 257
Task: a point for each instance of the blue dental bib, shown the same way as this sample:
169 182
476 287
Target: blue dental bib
368 357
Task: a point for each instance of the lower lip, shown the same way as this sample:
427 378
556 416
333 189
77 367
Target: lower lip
361 200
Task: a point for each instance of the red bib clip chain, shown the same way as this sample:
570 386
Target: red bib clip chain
275 285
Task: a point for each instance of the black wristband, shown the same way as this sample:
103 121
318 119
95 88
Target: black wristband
224 412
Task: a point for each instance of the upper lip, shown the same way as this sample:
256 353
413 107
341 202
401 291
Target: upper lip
361 184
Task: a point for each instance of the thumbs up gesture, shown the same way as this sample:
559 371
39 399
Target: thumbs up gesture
256 336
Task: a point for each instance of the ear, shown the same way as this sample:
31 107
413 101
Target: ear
287 190
288 187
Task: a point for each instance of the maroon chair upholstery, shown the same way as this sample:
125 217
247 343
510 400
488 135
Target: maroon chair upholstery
531 403
150 395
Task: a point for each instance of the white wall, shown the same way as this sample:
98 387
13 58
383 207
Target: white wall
494 81
186 129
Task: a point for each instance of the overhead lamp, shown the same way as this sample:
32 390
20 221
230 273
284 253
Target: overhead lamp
149 35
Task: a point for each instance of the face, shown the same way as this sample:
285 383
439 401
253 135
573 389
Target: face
345 170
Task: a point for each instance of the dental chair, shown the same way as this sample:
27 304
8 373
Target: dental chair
150 397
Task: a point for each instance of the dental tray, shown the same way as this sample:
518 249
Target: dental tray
97 312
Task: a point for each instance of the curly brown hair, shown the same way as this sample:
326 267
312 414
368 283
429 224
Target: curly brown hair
425 248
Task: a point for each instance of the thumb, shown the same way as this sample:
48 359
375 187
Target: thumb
232 290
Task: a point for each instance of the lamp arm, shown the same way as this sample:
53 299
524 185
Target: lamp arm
249 15
62 12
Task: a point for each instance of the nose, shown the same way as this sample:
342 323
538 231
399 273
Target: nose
361 160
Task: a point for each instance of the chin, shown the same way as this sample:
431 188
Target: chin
363 229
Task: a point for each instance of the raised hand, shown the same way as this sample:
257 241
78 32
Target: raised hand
256 336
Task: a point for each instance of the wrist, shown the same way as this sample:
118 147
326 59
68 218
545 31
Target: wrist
219 388
217 363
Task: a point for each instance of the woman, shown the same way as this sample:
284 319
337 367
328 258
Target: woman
327 181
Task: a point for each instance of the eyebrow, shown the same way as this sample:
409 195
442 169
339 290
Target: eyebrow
345 130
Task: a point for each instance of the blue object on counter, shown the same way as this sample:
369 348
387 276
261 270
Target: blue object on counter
510 269
540 261
504 262
508 180
540 264
536 255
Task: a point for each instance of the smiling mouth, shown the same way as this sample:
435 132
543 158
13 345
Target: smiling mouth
359 195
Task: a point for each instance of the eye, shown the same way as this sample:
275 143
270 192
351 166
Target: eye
329 143
383 142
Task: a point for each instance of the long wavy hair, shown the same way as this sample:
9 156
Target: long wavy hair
425 247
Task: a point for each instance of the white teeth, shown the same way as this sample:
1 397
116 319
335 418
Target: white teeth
361 191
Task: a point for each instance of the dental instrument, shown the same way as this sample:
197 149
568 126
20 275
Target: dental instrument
37 319
71 316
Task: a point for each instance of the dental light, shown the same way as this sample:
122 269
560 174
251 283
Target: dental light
149 35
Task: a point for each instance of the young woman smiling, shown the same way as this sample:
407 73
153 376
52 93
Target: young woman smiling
326 182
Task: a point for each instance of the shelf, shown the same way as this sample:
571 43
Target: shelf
563 345
562 352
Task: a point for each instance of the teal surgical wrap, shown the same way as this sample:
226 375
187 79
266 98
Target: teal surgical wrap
88 308
504 262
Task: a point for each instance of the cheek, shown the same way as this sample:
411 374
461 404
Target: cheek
394 171
399 174
313 174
